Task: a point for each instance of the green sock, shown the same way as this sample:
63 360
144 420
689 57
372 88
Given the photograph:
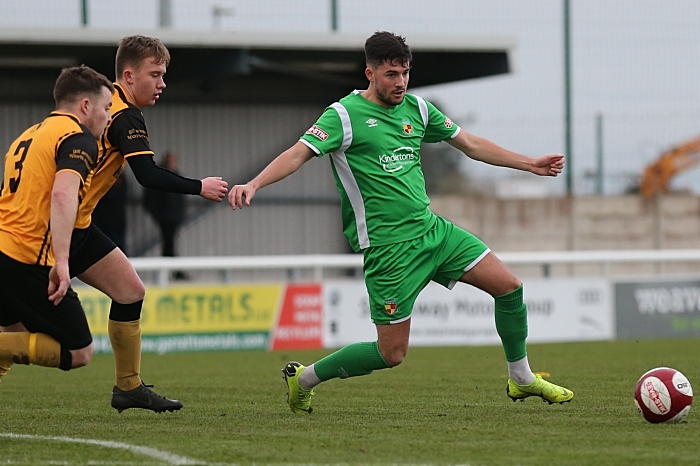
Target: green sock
511 323
351 361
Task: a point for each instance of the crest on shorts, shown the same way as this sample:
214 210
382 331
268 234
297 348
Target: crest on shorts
390 306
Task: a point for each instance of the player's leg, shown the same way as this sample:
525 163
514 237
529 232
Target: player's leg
493 277
466 258
6 364
115 277
34 330
42 350
97 262
352 360
359 358
394 275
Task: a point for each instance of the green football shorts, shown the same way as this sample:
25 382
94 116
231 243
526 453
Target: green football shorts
396 273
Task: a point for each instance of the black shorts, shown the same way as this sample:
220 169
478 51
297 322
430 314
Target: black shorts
24 298
87 247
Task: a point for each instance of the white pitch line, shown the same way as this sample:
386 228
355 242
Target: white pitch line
169 458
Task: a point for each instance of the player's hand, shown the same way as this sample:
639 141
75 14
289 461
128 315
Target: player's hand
59 281
549 165
241 194
214 188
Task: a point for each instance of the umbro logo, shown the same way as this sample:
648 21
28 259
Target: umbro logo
371 123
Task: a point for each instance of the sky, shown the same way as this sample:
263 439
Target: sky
635 65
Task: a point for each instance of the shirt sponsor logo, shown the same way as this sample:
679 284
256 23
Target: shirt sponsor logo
390 306
83 157
407 128
398 159
448 123
137 134
371 123
318 132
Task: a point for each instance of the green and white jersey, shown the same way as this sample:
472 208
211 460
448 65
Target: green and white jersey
375 155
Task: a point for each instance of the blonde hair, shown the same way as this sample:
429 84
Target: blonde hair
133 50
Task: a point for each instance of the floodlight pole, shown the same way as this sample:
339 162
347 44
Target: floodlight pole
334 15
568 131
165 13
84 13
567 99
599 153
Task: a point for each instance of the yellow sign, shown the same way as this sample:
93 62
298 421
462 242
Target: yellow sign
196 309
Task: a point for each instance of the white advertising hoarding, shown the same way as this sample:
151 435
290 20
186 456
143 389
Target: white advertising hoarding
558 310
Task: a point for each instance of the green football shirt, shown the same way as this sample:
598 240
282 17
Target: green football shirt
375 156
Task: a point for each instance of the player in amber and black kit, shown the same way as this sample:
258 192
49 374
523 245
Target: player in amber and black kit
47 171
141 64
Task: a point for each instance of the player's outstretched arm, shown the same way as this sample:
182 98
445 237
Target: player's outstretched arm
284 165
149 175
482 149
214 188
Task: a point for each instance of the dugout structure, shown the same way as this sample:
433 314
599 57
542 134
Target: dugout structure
241 67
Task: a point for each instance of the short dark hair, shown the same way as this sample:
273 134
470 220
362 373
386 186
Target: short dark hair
385 46
79 81
133 50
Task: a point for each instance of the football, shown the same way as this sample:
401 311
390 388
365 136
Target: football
663 395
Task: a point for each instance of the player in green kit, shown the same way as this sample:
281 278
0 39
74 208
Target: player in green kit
373 138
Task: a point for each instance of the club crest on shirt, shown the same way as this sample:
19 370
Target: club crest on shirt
407 128
448 123
318 132
390 306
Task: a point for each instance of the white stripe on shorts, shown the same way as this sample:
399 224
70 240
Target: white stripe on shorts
469 267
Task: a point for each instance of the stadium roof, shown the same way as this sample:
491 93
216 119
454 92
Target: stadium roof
241 67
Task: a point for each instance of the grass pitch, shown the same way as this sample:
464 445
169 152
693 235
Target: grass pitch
442 406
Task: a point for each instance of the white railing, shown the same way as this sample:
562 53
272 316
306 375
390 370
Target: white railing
317 263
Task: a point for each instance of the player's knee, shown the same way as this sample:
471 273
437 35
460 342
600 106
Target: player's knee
138 291
394 356
507 284
18 327
513 283
132 292
81 357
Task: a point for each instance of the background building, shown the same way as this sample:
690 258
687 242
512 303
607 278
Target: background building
248 78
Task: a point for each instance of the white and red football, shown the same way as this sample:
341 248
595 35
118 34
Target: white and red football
663 395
